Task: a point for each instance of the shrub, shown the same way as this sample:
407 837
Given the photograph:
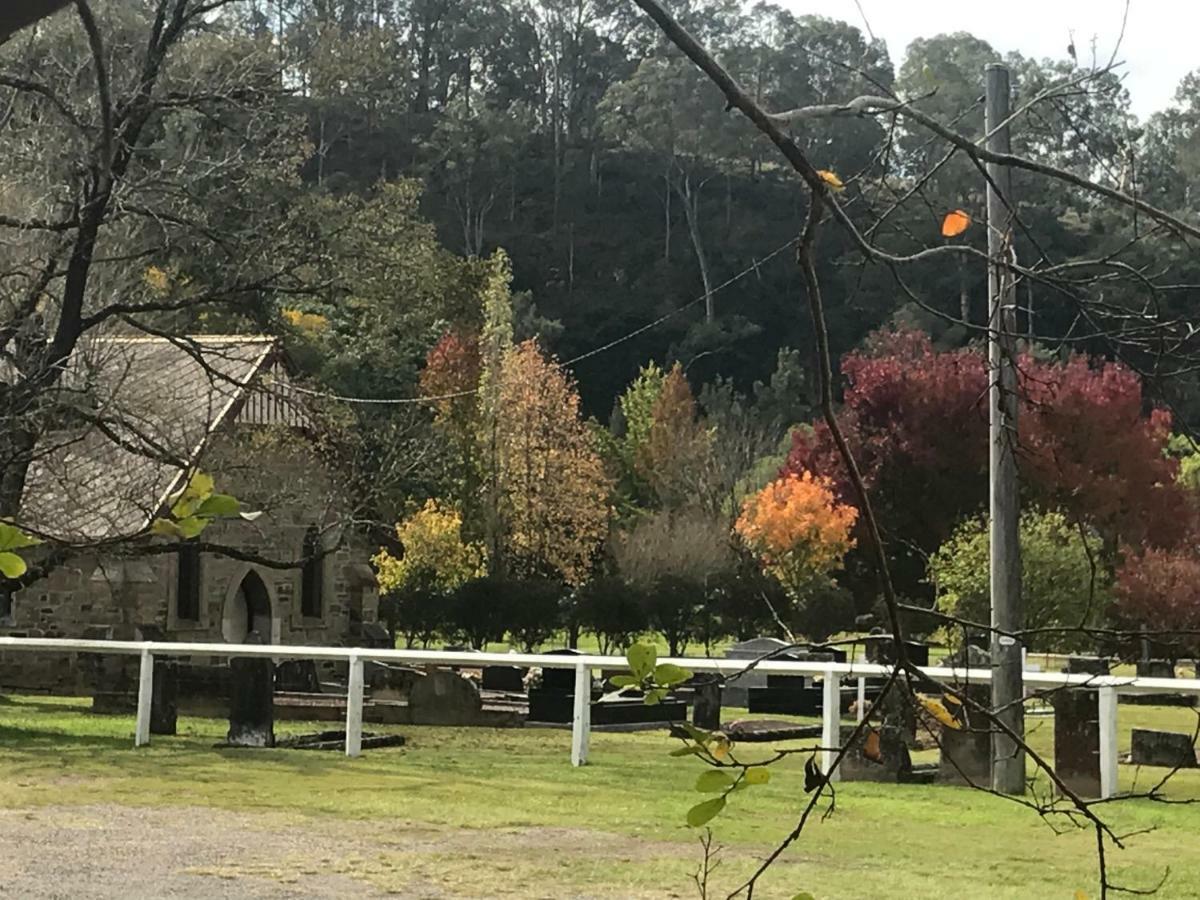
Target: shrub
613 610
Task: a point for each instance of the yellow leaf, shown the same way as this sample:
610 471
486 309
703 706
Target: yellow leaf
1081 895
831 179
938 710
721 746
955 223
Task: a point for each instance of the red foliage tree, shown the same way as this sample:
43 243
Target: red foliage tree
916 419
452 366
1160 591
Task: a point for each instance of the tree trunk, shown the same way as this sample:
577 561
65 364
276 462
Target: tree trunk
691 213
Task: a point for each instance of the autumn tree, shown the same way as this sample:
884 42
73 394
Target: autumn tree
672 458
1086 447
1158 592
435 561
552 490
798 530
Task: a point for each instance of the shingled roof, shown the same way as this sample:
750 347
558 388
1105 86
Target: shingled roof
153 405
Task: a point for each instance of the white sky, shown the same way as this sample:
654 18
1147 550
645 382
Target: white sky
1160 44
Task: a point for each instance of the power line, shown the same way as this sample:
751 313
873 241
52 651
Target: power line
596 351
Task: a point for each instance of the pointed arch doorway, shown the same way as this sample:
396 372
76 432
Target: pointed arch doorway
248 608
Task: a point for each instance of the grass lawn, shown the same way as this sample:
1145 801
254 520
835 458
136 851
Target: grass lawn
505 806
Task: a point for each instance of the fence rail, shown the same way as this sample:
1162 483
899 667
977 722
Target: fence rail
1109 687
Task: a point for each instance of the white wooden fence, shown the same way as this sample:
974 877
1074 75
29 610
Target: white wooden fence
832 674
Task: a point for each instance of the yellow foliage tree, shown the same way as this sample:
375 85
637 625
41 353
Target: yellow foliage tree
797 529
433 551
553 492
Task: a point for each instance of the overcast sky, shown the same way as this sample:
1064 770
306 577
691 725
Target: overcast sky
1161 43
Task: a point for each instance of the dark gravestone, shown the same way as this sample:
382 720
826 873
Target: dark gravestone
1162 748
706 707
1077 740
879 754
764 730
881 650
164 698
443 697
1155 668
510 679
560 681
297 676
251 699
1088 665
966 753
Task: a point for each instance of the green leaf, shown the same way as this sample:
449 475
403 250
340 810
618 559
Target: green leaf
165 528
757 775
201 485
13 538
669 674
11 565
641 659
712 781
804 895
655 697
699 735
191 526
624 681
705 811
219 505
687 750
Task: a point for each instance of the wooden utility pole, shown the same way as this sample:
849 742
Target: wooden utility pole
1008 761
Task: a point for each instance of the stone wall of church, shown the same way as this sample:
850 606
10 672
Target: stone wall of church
138 595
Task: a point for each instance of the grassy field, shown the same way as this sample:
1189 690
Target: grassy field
507 805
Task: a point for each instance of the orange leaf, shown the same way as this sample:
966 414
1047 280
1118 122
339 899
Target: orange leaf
831 179
955 223
871 747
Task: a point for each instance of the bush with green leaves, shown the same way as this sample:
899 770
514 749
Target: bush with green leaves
478 611
611 609
534 609
418 610
1063 580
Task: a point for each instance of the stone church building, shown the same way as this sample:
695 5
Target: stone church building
158 409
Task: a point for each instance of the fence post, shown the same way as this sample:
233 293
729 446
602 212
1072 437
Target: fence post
1108 741
354 707
581 720
831 718
862 698
141 732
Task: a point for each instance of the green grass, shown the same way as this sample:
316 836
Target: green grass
884 840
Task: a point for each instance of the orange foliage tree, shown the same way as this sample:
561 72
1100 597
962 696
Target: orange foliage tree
797 529
553 491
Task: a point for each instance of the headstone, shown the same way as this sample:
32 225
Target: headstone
1077 740
1162 748
1088 665
1155 668
879 754
298 676
252 699
504 678
560 681
164 698
706 707
968 656
443 697
736 692
966 753
768 730
880 650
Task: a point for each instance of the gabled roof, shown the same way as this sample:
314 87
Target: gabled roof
148 408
